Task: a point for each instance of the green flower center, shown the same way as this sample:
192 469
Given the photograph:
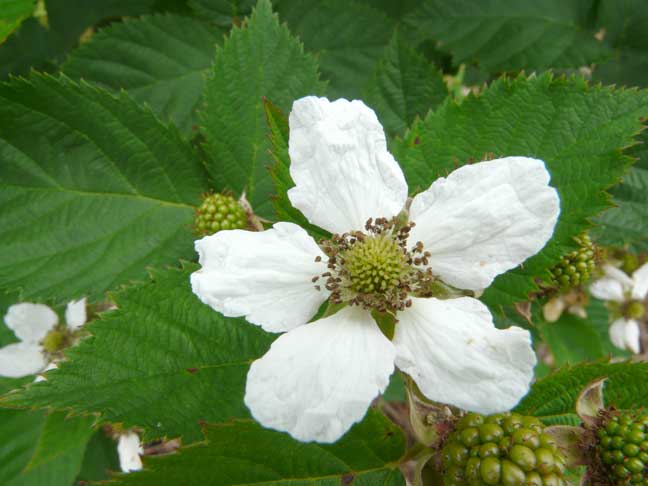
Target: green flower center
54 341
375 265
635 309
376 269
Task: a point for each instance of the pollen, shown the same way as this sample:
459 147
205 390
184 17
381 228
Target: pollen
375 265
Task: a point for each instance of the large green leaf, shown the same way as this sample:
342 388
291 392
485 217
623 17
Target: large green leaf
243 453
576 129
42 47
160 60
12 13
509 35
39 449
405 85
553 398
93 189
627 223
624 24
349 38
259 60
163 361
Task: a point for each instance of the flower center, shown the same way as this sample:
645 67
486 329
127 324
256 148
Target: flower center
376 264
634 309
375 269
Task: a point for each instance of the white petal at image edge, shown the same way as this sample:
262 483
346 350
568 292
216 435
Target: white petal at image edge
624 334
454 353
339 162
316 381
21 359
129 450
30 322
75 313
640 282
485 219
265 276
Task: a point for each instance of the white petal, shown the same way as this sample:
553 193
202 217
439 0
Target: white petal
612 286
129 450
319 379
21 359
41 376
75 313
640 282
339 162
30 322
619 275
484 219
624 334
264 276
456 356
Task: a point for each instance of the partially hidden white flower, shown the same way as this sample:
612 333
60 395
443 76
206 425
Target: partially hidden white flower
129 450
625 295
31 323
319 378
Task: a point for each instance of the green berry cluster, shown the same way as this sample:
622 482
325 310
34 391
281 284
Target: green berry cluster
623 448
219 212
503 449
575 268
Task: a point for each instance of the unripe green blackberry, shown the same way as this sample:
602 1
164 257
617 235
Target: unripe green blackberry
575 268
219 212
623 448
502 449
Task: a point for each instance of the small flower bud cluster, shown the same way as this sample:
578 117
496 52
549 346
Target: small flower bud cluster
503 449
375 269
575 268
623 448
218 212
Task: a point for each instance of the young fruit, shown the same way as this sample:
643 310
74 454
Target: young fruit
623 448
575 268
219 212
503 449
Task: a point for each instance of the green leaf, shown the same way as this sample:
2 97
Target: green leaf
93 189
575 128
626 225
505 35
178 362
99 459
349 38
280 172
39 47
572 339
624 24
243 453
261 59
553 398
12 13
160 60
222 12
405 85
39 449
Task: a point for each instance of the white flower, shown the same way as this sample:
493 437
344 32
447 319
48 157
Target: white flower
129 449
319 379
625 295
31 323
